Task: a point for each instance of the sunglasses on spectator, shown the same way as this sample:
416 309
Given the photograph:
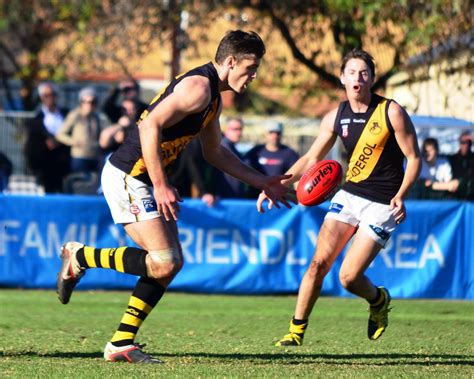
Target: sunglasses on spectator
93 102
52 94
465 142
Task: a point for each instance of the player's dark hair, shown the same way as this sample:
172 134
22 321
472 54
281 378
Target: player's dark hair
240 44
359 54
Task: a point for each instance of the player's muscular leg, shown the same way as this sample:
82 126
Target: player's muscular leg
332 238
358 258
160 239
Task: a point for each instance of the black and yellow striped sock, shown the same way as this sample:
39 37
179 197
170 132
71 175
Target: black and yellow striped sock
379 299
145 296
130 260
298 326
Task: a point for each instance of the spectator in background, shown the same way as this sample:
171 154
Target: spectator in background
113 136
273 157
227 187
462 163
46 157
6 169
434 168
126 90
192 175
81 131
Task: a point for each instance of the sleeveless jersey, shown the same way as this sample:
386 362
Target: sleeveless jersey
129 157
375 162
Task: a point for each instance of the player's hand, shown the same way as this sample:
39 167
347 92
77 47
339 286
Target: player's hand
167 201
399 209
274 191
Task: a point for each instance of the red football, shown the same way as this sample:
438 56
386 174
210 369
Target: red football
319 182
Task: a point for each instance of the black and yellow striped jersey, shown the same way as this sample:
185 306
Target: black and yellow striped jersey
375 162
129 157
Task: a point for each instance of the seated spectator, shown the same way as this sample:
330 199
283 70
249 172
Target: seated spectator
462 164
81 131
434 168
6 169
126 90
46 158
273 157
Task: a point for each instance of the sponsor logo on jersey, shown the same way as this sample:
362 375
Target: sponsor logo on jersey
149 205
362 160
380 232
358 120
345 121
335 208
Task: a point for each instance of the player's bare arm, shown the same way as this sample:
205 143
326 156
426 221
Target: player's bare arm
406 139
223 159
190 96
318 150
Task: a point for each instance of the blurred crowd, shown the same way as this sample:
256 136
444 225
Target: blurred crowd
446 177
65 151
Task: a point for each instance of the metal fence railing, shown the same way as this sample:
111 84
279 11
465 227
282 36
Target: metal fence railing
13 128
299 134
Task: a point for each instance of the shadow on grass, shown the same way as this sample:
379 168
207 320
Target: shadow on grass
289 358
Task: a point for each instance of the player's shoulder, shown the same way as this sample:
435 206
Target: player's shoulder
395 109
329 119
195 89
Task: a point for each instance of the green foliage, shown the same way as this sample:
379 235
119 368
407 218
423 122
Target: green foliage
233 336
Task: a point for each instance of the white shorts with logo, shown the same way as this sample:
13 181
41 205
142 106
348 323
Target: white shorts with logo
375 219
129 199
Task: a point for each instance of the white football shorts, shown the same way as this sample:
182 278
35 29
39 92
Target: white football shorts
129 199
375 219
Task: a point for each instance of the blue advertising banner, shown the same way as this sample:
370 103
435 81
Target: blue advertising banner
232 249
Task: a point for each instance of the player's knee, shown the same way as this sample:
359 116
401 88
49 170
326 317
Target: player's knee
317 270
347 279
164 263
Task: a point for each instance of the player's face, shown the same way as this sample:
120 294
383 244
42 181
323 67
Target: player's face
242 73
357 78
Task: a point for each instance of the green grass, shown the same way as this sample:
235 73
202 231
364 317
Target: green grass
232 336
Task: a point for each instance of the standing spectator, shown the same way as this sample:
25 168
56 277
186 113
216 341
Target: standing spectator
227 186
189 174
272 158
128 90
6 169
46 157
81 130
113 136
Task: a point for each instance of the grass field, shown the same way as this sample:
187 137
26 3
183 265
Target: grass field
233 336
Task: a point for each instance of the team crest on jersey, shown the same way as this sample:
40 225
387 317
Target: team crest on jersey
375 128
345 130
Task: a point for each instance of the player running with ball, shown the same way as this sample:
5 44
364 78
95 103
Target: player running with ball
378 135
140 198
